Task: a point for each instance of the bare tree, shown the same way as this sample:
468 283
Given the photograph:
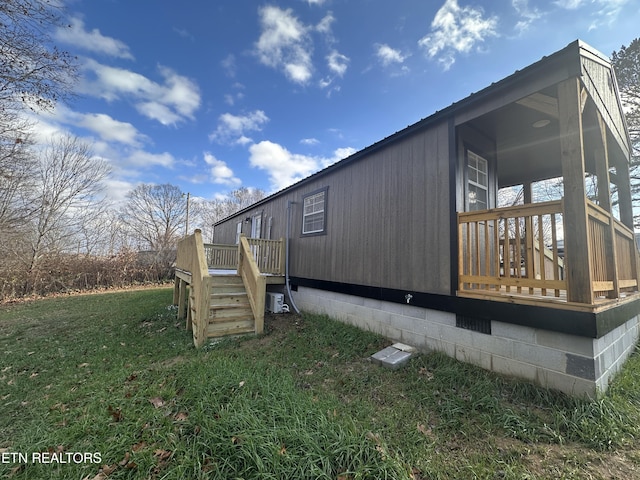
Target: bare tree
68 180
16 174
626 63
33 72
212 211
155 216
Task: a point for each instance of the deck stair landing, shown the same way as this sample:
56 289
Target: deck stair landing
230 311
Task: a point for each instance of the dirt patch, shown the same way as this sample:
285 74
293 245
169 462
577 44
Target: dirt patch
97 291
168 363
554 461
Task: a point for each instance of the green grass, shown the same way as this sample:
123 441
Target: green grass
116 374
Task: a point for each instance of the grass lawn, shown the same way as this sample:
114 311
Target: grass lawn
109 386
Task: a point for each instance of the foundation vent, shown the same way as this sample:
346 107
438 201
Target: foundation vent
475 324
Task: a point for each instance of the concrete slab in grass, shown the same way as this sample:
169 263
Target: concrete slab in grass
393 357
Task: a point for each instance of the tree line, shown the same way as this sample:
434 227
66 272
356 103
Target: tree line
58 232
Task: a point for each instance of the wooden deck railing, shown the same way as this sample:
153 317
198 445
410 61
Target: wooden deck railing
221 257
268 255
515 250
254 281
613 258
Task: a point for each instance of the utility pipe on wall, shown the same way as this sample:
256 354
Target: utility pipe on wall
286 260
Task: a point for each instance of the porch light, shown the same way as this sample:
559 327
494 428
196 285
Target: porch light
541 123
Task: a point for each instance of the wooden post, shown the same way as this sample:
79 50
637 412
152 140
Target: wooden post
624 194
576 236
176 290
182 300
604 199
283 256
529 234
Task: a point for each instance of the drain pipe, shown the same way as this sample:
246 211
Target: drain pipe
286 260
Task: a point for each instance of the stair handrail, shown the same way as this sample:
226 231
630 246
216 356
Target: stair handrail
255 283
192 259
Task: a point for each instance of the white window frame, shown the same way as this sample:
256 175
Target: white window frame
317 209
477 166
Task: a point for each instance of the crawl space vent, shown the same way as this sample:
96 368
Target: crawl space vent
476 324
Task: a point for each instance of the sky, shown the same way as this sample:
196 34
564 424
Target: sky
211 96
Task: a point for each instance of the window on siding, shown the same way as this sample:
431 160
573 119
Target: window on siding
478 182
314 213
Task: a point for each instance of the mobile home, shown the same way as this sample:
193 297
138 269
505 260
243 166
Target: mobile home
407 237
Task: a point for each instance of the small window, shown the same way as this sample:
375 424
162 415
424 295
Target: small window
477 182
314 213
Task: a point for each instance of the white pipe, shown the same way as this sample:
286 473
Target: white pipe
286 260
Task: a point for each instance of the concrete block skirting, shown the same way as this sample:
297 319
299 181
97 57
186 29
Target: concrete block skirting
572 364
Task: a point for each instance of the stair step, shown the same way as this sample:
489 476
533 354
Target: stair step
226 279
235 326
230 299
228 288
217 314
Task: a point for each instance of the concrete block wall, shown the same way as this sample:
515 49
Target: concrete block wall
572 364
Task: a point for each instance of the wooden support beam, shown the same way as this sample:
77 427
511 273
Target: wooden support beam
624 194
604 199
182 299
576 235
529 235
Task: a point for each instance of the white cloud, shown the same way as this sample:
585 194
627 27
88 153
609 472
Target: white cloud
325 24
232 128
388 55
570 4
456 30
309 141
174 100
229 65
141 158
339 154
109 129
158 111
337 63
316 2
608 12
284 44
92 41
220 171
285 168
117 189
527 14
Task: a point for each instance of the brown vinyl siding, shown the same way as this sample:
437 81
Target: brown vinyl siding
387 222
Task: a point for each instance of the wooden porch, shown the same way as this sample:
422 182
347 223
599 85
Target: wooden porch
220 289
516 254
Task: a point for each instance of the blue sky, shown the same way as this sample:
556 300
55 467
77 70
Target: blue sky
214 95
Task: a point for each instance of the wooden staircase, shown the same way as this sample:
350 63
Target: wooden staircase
231 304
230 311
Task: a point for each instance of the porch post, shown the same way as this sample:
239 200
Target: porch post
576 237
604 199
624 194
529 234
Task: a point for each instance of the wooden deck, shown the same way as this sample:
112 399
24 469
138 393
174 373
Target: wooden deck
220 289
514 254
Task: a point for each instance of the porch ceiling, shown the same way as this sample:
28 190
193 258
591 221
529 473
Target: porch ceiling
525 153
